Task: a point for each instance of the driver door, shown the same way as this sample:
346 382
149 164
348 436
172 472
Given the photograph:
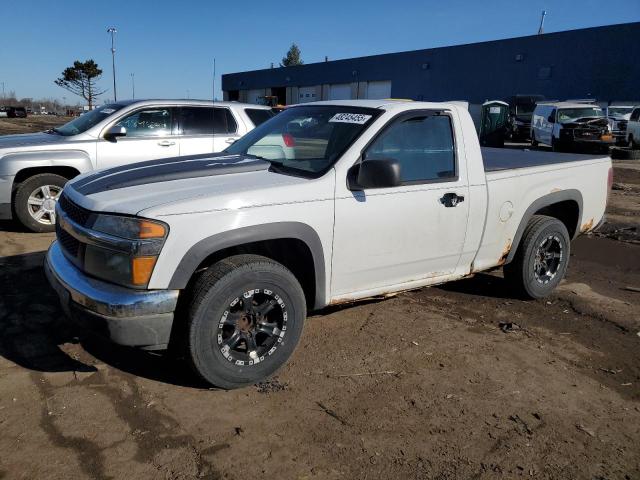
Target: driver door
385 237
149 136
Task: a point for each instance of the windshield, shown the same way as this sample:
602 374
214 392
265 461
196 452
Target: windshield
525 108
570 114
619 111
87 120
306 140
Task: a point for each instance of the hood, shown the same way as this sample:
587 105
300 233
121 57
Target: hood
587 121
220 181
29 139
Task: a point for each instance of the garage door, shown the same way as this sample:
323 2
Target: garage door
253 96
340 91
379 89
307 94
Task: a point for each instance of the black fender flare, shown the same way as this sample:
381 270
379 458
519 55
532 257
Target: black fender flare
256 233
545 201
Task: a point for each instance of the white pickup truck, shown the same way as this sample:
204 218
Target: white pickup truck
326 203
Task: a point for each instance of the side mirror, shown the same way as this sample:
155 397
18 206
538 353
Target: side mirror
378 173
552 118
114 132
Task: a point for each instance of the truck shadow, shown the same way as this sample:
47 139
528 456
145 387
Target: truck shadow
34 332
482 285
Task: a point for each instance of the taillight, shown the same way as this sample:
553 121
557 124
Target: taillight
288 139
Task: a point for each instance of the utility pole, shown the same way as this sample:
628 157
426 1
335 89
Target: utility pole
133 85
541 28
113 31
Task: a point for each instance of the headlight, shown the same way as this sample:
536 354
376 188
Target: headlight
129 227
127 250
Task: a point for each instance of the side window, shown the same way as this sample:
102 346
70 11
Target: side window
258 116
232 126
151 122
206 121
423 145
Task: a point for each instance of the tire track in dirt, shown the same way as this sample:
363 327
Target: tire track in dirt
153 432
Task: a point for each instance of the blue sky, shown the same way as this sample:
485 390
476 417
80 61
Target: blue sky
170 45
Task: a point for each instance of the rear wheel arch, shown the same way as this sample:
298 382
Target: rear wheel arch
295 245
565 205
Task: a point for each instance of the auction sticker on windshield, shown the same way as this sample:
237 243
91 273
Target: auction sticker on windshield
358 118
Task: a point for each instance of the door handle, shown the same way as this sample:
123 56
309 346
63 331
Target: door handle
230 140
451 199
166 143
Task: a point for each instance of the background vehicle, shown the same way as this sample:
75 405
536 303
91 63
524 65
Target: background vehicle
521 109
373 197
633 129
16 112
567 126
35 167
618 116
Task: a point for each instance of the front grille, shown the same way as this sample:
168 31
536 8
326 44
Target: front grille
68 242
75 212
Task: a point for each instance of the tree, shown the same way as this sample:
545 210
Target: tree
292 58
80 79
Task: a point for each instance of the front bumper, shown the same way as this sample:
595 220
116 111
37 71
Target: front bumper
140 318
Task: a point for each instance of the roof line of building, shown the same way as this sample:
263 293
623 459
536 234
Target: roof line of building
350 59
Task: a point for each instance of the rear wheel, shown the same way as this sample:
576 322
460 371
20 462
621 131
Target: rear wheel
35 201
541 259
245 320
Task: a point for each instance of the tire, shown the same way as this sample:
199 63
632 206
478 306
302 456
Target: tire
525 274
632 143
44 188
534 142
556 146
219 331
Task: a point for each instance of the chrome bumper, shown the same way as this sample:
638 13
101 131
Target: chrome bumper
126 316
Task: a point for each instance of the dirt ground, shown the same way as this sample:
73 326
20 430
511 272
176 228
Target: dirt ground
33 123
458 381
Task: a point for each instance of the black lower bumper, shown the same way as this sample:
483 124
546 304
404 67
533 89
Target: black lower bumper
125 316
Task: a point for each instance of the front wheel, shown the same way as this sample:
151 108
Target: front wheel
35 201
541 259
245 319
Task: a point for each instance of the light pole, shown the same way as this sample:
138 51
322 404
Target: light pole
133 85
113 31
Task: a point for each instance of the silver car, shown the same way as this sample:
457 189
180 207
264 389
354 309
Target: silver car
35 167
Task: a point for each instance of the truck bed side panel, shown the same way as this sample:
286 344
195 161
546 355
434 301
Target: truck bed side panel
512 192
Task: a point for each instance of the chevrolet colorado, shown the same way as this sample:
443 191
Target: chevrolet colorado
326 203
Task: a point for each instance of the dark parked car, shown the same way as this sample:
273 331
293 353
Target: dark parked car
521 109
16 112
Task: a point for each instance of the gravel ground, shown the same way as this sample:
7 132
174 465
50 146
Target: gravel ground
457 381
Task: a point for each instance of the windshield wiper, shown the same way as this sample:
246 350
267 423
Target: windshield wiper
51 131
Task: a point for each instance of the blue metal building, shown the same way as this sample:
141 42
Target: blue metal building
599 62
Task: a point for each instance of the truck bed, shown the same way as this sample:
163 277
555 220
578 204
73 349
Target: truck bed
497 159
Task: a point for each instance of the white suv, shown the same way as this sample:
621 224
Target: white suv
35 167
